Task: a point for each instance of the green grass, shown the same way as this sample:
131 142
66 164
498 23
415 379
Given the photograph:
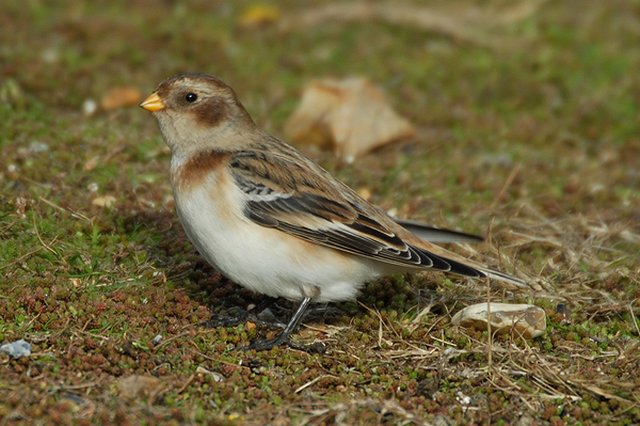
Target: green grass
90 287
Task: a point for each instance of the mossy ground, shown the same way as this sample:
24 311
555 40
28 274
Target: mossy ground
535 142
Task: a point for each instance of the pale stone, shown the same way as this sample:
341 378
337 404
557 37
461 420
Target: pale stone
528 320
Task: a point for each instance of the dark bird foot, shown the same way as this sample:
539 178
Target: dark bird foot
283 337
268 344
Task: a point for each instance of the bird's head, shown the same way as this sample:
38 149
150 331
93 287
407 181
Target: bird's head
197 110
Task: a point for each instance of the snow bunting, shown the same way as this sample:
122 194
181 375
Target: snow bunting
274 221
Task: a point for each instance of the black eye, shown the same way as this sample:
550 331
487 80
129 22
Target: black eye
191 97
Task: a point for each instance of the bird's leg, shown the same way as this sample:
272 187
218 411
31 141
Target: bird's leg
283 337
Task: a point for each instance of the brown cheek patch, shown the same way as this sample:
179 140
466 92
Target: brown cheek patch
210 113
198 167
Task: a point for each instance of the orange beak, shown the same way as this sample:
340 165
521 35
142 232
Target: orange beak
153 103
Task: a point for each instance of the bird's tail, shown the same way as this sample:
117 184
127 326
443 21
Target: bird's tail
444 260
500 276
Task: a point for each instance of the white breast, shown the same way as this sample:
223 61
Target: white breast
262 259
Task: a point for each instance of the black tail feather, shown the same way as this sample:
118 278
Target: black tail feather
437 235
449 265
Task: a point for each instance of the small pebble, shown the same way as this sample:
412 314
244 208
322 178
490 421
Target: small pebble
267 316
463 399
37 146
17 349
217 377
89 107
156 340
50 55
528 320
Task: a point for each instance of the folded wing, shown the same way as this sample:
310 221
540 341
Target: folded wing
296 196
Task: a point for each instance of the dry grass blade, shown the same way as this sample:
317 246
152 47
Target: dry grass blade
314 381
633 317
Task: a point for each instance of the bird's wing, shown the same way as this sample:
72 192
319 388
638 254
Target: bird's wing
296 196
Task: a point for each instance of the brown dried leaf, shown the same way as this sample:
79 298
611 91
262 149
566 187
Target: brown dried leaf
119 97
258 15
91 163
138 386
350 115
104 201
